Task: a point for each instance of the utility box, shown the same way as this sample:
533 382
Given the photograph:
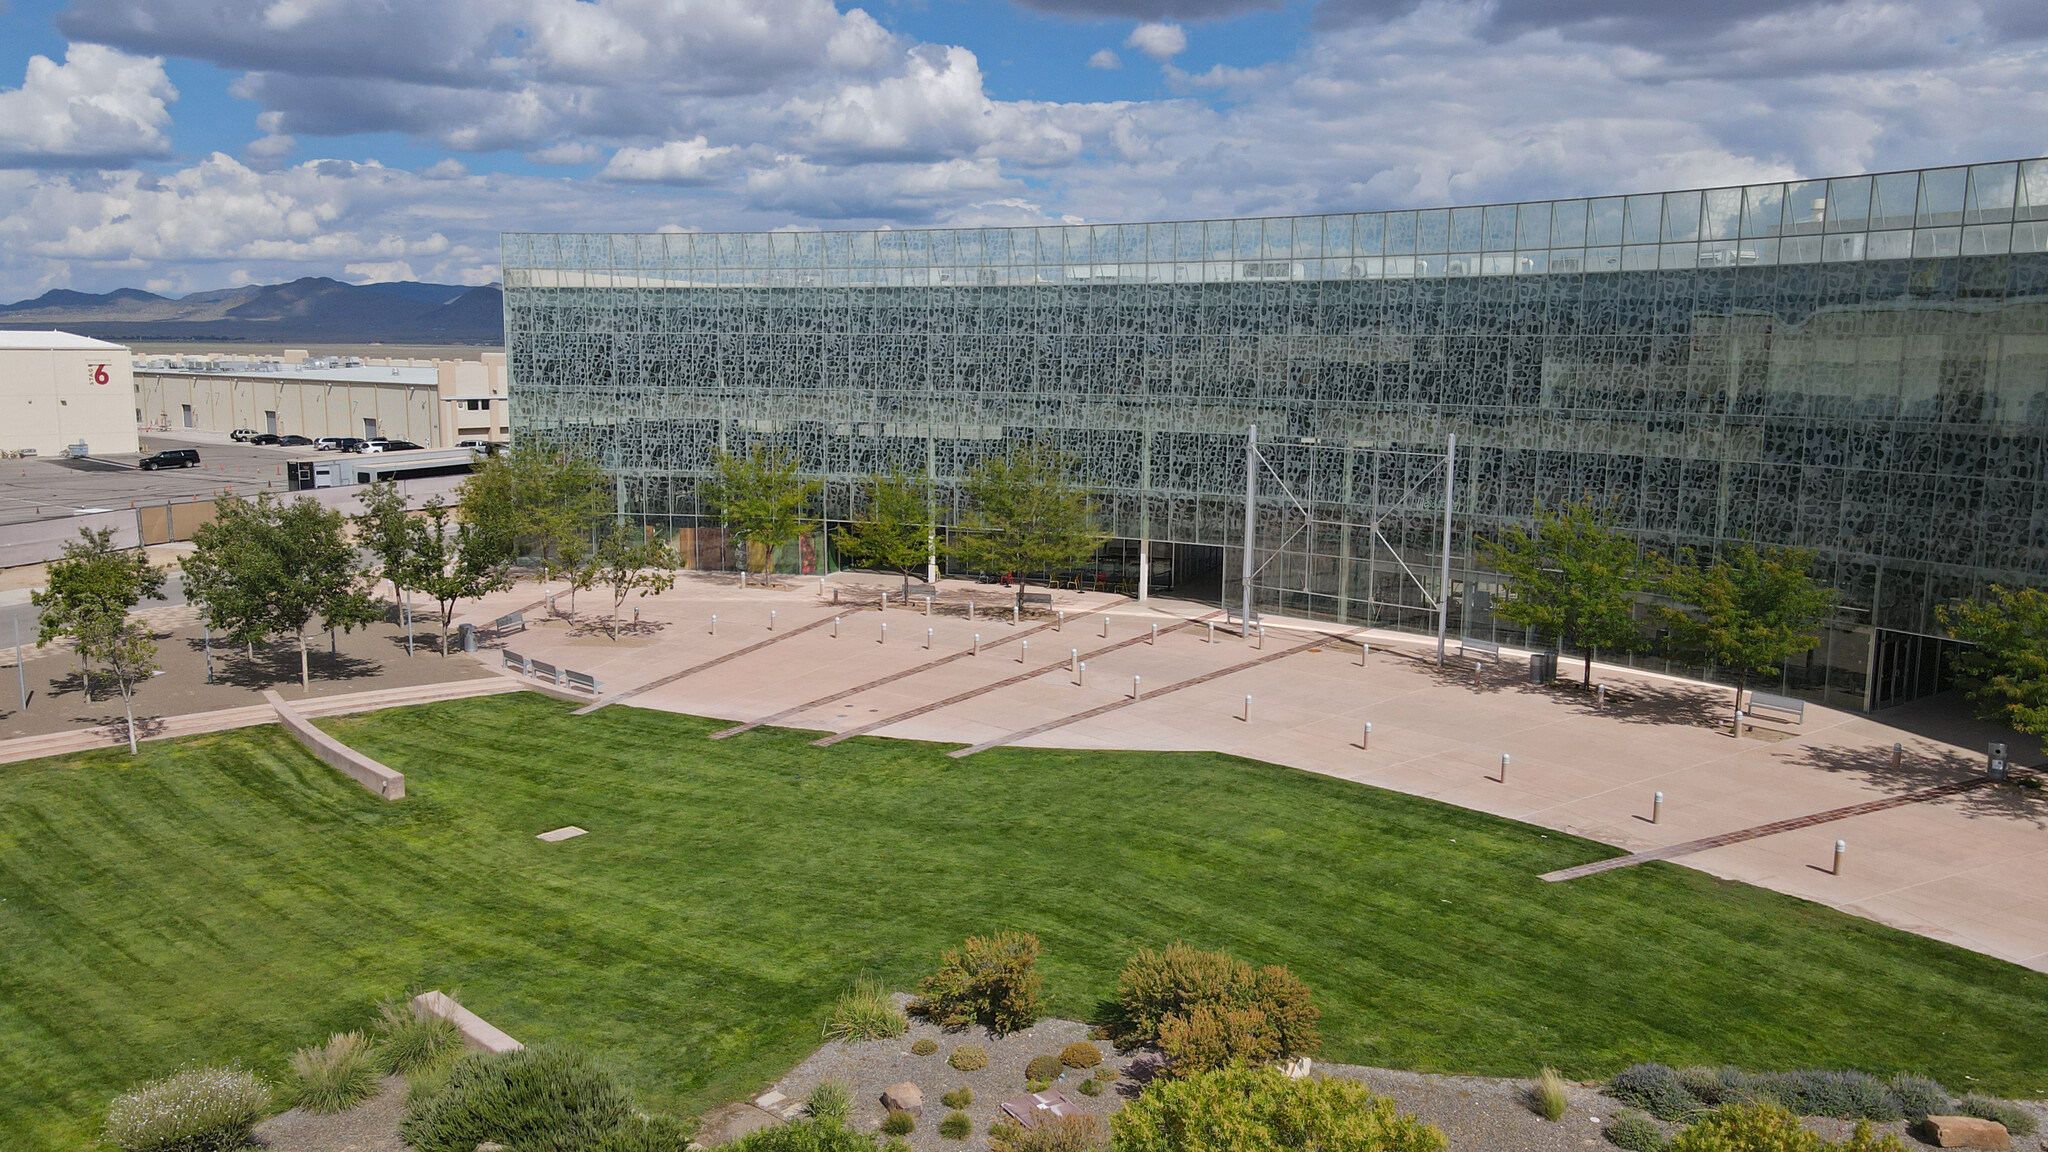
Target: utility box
1994 761
467 633
1542 667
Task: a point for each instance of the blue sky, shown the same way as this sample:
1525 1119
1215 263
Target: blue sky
191 144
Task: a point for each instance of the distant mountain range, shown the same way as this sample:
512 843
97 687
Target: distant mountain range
313 310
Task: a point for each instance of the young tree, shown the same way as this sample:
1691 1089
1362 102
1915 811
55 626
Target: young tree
1574 577
91 586
1748 610
384 527
627 561
897 531
759 499
1025 514
2006 672
452 561
535 499
91 591
264 567
128 651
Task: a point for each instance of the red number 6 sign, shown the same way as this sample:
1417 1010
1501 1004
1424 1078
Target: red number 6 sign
99 373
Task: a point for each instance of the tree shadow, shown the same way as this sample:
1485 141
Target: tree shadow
278 664
115 726
2019 798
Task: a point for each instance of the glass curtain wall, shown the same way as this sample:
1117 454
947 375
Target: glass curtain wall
1856 365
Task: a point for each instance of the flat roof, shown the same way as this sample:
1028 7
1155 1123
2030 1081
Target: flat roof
363 374
54 341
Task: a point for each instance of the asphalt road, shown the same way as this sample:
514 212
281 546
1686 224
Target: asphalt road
35 488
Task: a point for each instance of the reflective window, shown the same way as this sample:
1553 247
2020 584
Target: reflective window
1603 224
1681 216
2031 196
1941 198
1991 189
1499 230
1465 229
1568 224
1806 207
1763 209
1848 207
1432 230
1645 216
1401 231
1722 215
1532 229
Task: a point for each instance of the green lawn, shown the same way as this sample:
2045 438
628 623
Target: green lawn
229 898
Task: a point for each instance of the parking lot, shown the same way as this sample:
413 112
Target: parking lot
35 489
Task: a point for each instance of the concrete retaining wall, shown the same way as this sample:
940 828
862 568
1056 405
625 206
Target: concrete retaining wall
365 771
476 1031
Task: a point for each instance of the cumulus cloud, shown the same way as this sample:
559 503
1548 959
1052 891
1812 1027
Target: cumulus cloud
271 147
379 272
446 169
567 153
691 161
1105 58
1160 41
99 107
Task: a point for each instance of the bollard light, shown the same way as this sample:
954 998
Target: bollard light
1105 627
1841 847
1134 688
1081 674
835 594
1155 634
1503 767
927 638
977 643
1013 615
1023 650
1061 624
1365 741
1073 659
835 627
771 620
927 606
970 609
1738 723
1363 648
1212 631
714 625
1603 695
1897 751
1657 808
1262 637
1247 708
885 633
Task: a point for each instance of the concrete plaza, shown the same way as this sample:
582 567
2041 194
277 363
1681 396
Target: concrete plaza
1966 868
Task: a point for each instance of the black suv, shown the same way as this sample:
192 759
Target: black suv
294 441
171 458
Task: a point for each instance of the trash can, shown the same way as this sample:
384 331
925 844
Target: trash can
1542 667
468 634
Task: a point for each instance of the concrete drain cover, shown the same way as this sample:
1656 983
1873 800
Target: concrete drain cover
568 833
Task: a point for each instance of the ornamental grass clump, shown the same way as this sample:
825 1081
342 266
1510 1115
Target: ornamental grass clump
899 1123
866 1013
960 1097
408 1041
958 1126
1547 1096
1082 1133
335 1076
969 1058
924 1046
830 1101
989 980
192 1110
2017 1121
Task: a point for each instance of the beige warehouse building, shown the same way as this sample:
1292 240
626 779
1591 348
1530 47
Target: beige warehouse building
435 403
58 391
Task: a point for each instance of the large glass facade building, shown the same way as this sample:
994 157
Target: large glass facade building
1855 365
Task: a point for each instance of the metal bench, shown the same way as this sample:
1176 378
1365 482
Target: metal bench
921 590
518 663
542 670
1789 707
504 624
1038 597
1468 647
582 681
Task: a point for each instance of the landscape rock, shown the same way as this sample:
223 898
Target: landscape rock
1965 1132
903 1096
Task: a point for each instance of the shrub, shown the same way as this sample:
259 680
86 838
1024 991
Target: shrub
988 980
1845 1095
1208 1009
1918 1096
1636 1132
925 1046
2017 1121
806 1136
537 1099
959 1097
1091 1087
1036 1086
829 1101
1080 1054
958 1126
1719 1085
969 1058
191 1110
895 1144
646 1134
1044 1068
408 1041
1866 1139
899 1123
1262 1108
1000 1130
334 1076
866 1013
1547 1095
1105 1072
1081 1133
1656 1089
1755 1127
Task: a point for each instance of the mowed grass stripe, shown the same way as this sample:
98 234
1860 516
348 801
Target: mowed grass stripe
228 897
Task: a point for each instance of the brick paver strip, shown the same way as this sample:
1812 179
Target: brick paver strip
1019 678
706 666
1127 701
1689 847
891 678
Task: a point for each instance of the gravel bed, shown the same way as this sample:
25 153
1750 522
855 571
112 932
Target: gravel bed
371 1126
